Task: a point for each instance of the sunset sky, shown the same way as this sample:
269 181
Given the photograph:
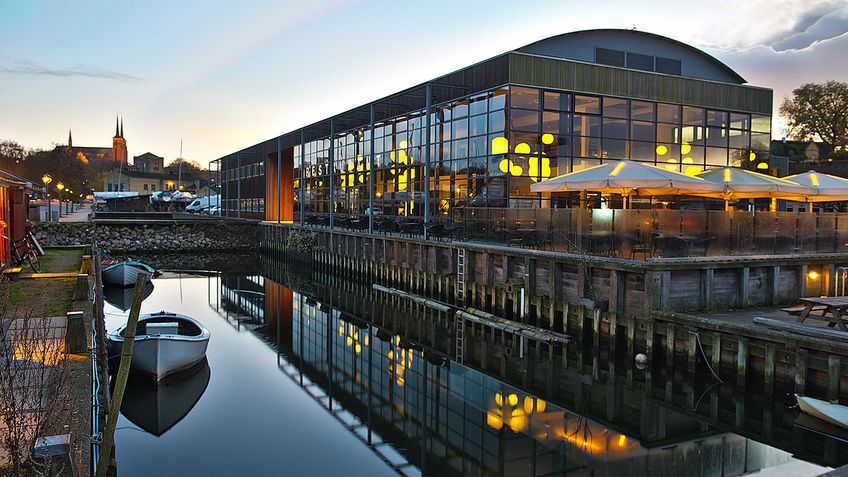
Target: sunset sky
224 75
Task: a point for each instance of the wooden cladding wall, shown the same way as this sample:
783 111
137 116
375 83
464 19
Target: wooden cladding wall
583 77
286 193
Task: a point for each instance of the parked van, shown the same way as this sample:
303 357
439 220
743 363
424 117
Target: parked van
202 203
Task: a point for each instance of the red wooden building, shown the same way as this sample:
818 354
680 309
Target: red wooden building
14 200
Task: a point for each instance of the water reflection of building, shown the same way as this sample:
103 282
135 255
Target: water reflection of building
415 407
242 300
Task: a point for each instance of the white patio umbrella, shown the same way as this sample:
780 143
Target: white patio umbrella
627 178
739 183
827 188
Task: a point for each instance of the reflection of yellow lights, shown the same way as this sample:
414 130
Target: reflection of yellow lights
726 174
584 443
622 441
813 275
752 156
685 148
693 170
762 165
662 150
500 145
512 399
687 160
522 148
547 138
494 421
499 399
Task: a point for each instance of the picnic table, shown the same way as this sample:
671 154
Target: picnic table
836 307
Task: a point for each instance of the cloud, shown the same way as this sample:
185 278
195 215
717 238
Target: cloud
25 67
821 24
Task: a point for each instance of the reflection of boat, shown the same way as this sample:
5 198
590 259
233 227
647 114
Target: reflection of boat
835 414
165 343
124 273
121 297
157 406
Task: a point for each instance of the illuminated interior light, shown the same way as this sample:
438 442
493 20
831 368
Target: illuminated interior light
762 165
752 156
512 399
685 148
528 405
813 275
547 138
500 145
499 399
662 150
687 160
522 148
693 170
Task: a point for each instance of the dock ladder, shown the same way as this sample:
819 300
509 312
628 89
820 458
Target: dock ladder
460 275
459 324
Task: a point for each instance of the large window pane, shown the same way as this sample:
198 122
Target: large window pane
668 133
717 118
460 128
615 108
760 123
740 121
693 116
498 100
556 123
642 151
496 121
527 98
641 110
739 139
557 101
615 128
668 113
477 125
523 120
586 125
478 105
642 131
587 104
615 148
587 146
716 156
716 137
760 140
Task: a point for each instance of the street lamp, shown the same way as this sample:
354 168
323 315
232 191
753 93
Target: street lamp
46 179
60 187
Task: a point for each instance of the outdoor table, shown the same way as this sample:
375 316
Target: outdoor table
835 306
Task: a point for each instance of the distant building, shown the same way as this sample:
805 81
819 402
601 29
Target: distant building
800 151
118 151
149 162
148 174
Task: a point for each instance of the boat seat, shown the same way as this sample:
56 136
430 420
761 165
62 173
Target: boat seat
171 328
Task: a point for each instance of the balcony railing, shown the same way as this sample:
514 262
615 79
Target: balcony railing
635 233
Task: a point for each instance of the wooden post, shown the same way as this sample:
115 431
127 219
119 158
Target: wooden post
801 371
121 378
669 345
770 369
741 362
834 370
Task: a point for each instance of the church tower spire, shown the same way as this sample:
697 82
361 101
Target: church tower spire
122 126
119 144
117 133
70 138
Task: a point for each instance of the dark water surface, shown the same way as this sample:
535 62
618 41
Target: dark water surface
312 375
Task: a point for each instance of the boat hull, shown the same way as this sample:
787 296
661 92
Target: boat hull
832 413
160 355
122 274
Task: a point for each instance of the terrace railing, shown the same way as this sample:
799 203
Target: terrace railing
634 233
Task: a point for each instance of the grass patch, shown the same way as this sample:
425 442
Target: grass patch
60 260
54 295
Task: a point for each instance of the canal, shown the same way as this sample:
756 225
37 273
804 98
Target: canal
313 374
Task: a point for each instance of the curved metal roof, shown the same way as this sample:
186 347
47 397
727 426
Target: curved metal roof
565 38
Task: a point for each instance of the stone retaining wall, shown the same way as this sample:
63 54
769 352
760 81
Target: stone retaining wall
139 237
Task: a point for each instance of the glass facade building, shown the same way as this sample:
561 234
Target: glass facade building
481 136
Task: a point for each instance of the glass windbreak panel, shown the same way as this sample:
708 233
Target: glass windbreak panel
827 232
806 236
615 128
586 125
668 113
765 233
693 232
642 131
760 123
694 116
841 234
615 108
523 120
641 110
587 104
667 238
719 244
527 98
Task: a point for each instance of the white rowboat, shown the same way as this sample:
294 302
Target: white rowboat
165 343
835 414
124 273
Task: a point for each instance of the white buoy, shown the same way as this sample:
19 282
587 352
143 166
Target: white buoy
641 361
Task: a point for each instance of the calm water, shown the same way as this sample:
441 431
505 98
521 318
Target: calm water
310 375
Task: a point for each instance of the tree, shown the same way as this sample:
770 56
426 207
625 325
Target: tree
819 110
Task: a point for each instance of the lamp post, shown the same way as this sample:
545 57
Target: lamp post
46 179
60 187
